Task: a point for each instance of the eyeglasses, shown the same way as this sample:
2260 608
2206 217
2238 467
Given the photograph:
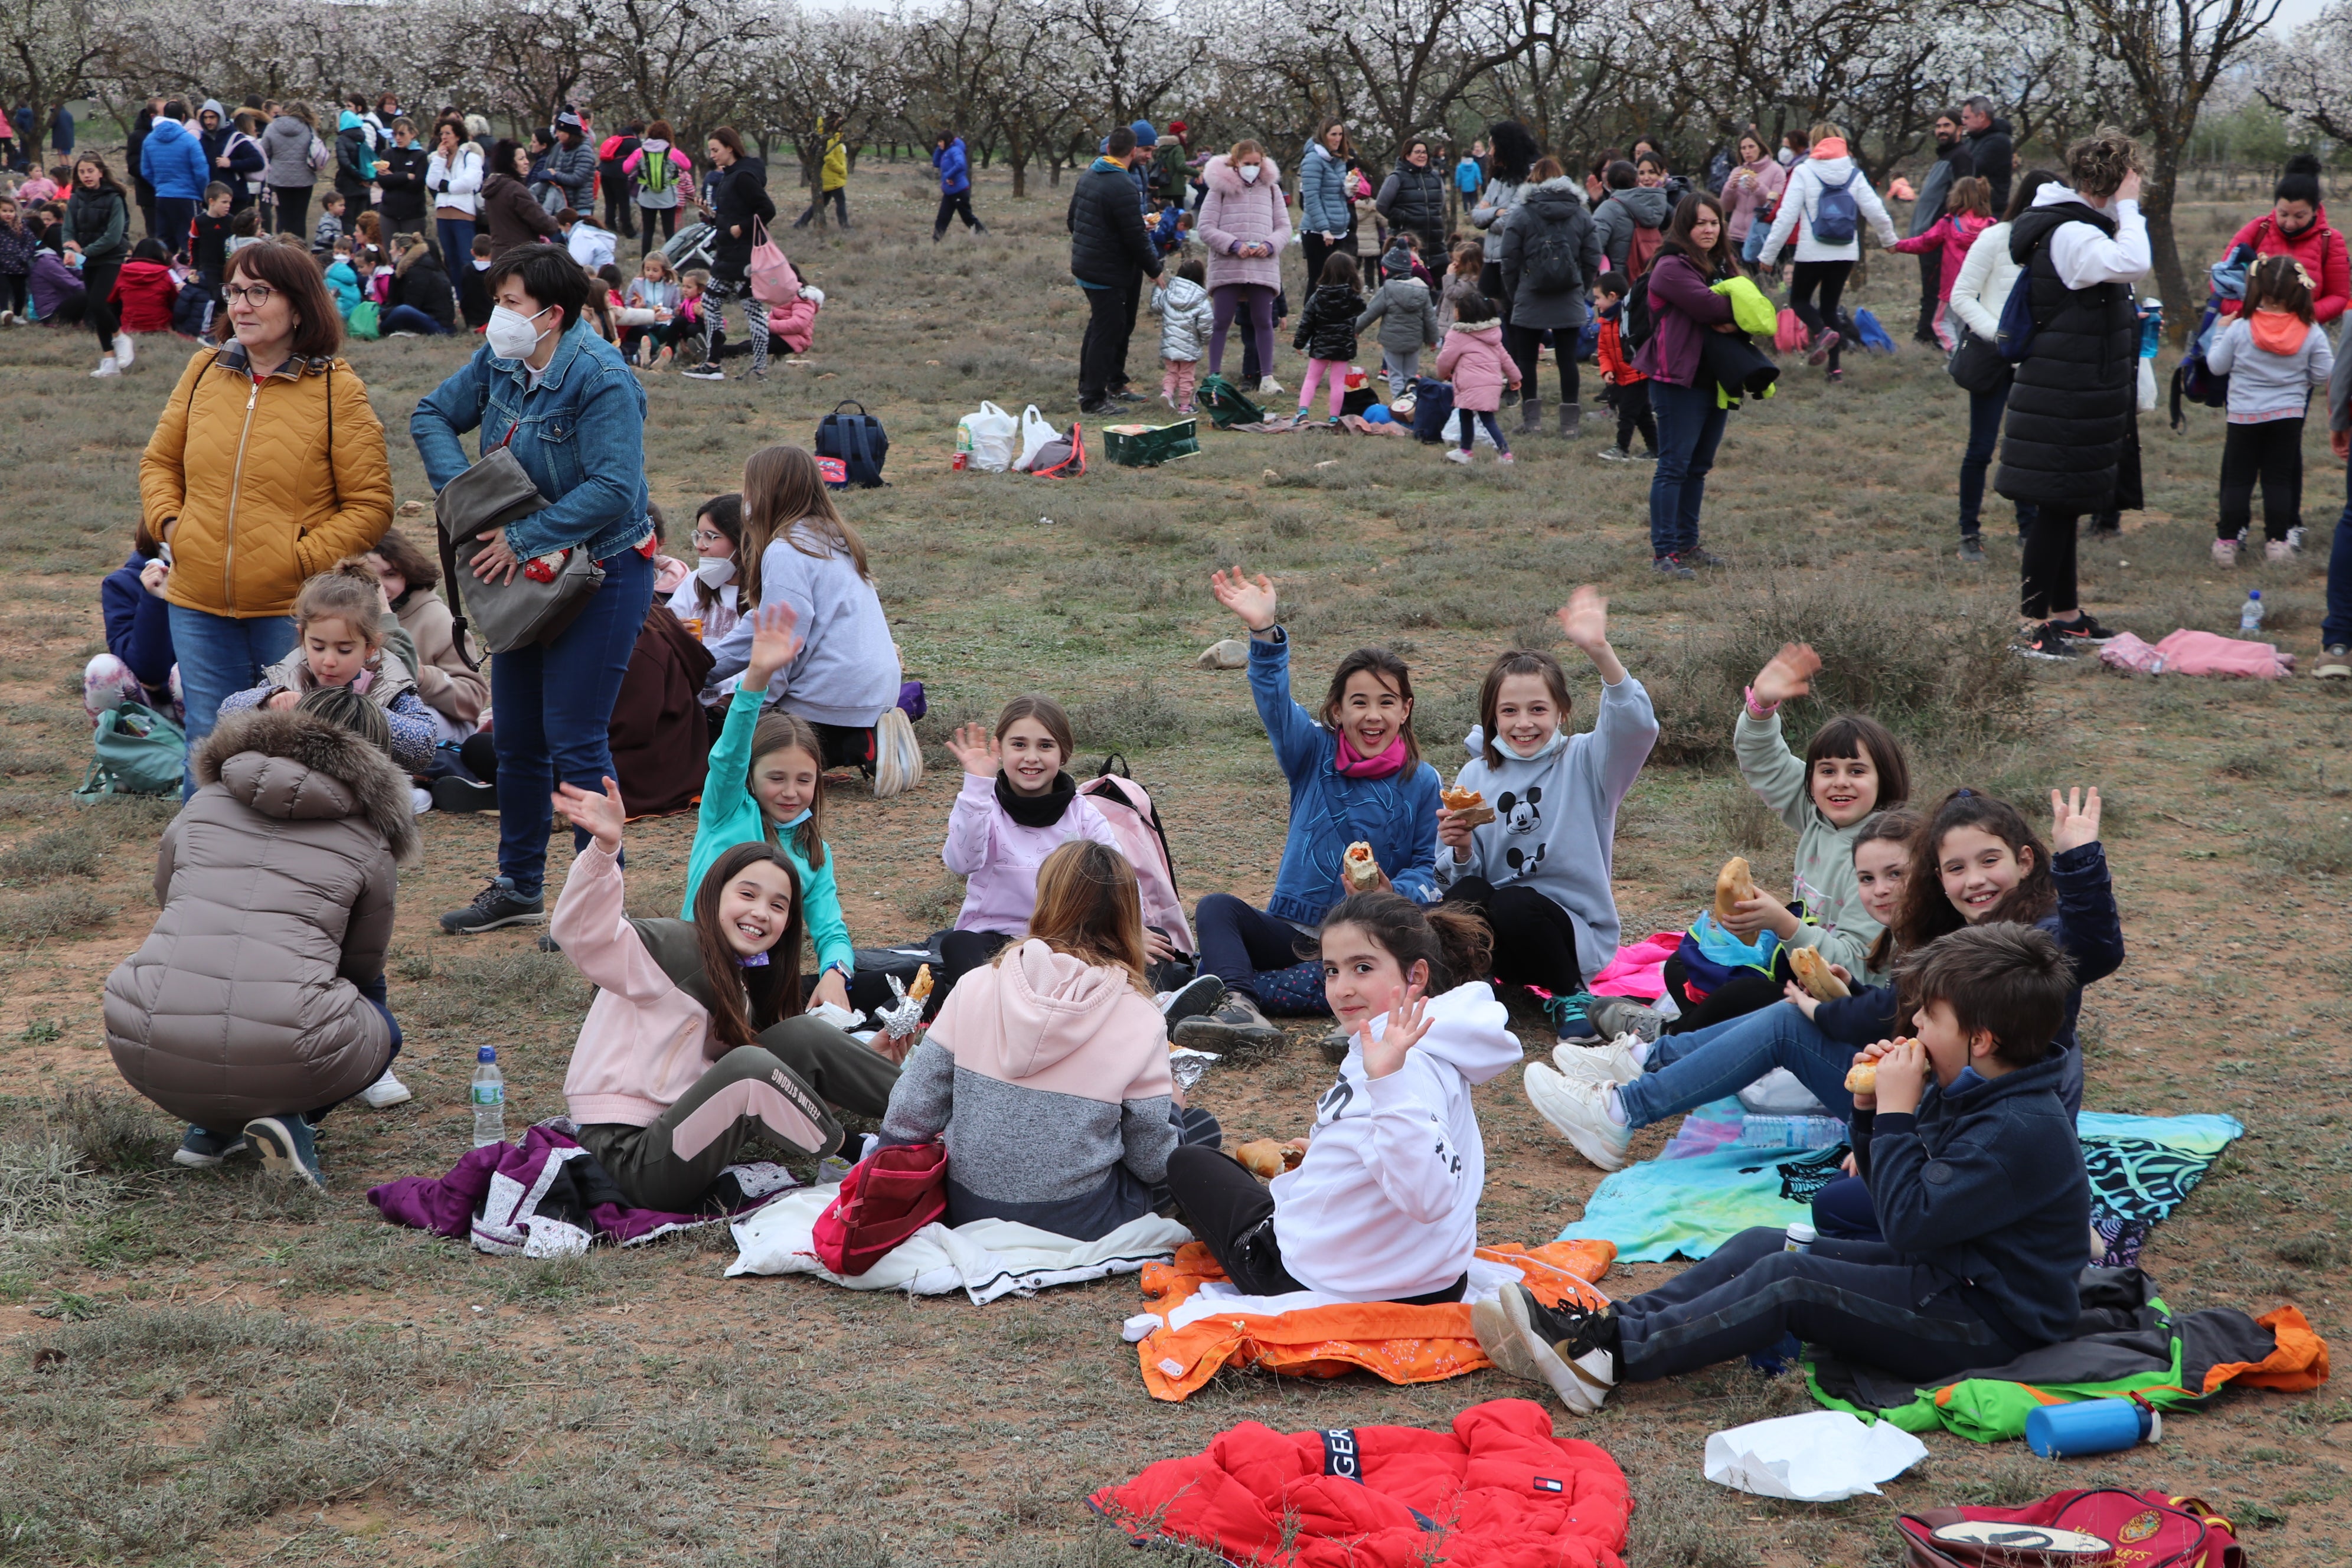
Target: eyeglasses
705 536
254 295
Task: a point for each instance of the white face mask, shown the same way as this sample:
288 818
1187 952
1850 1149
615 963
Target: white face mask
715 569
1249 172
512 334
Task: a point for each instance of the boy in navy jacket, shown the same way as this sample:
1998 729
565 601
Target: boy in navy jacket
1978 1184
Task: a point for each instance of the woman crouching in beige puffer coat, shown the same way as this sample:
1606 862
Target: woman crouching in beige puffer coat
257 1003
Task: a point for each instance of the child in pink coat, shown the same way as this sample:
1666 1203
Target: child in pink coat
1967 213
1473 359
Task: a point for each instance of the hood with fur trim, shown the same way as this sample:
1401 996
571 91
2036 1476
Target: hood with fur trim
295 766
1219 174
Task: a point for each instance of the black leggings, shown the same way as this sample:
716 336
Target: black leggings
2272 452
1526 343
1232 1214
1633 414
665 218
98 282
12 291
957 204
961 952
294 208
1747 991
2046 565
1535 941
1829 276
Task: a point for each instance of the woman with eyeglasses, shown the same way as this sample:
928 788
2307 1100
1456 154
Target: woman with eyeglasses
268 466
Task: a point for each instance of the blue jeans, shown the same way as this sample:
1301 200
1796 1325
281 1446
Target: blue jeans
2336 629
1690 1070
551 708
1690 427
457 244
219 657
409 318
1985 410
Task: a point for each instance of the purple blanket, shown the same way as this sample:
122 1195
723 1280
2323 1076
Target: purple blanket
549 1198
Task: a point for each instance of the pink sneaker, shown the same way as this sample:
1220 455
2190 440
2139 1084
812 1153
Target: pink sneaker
1507 458
2225 553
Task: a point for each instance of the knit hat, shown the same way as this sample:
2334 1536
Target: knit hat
1144 135
567 121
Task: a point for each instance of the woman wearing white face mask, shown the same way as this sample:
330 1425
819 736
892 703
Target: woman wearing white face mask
710 601
1244 223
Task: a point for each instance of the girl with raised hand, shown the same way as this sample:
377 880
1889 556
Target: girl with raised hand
1016 807
1540 871
1383 1204
690 1049
1046 1071
1356 776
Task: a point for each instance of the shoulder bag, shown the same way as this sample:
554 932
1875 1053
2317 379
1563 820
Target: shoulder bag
541 600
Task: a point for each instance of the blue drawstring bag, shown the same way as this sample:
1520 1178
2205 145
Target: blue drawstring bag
1874 336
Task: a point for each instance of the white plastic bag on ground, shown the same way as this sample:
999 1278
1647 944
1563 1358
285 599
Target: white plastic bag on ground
986 438
1037 433
1781 1093
1820 1456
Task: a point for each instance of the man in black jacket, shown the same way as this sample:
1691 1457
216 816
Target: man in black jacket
1109 255
1989 149
1952 163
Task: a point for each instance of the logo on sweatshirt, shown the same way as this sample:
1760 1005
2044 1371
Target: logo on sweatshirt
1520 812
1340 1457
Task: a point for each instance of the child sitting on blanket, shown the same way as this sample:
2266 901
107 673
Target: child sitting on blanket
1978 1179
691 1048
1383 1204
1539 869
1046 1072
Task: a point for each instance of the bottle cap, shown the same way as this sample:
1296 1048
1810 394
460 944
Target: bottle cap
1801 1231
2254 593
487 1054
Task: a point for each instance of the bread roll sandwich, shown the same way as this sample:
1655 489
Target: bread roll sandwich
1265 1159
1468 807
1813 972
1362 871
1732 884
1862 1077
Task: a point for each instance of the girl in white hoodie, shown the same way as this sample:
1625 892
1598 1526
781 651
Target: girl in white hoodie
1383 1204
1826 190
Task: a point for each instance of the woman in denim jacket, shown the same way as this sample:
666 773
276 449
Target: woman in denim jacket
565 403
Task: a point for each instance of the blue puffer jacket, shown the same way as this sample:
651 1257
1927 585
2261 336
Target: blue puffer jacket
1323 206
580 435
954 172
172 160
138 624
1396 816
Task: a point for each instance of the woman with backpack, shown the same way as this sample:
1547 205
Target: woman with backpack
2298 226
664 179
295 155
1682 307
1824 206
1550 254
1412 198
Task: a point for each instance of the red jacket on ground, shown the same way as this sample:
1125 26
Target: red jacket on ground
143 297
2320 250
1505 1491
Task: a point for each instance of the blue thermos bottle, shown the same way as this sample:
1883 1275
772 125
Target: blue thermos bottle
2091 1427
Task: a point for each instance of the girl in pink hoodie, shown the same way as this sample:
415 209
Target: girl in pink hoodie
1016 807
1967 213
1473 359
1046 1073
691 1048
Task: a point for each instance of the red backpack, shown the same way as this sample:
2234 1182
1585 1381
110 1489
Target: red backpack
1641 248
886 1198
1135 823
2103 1526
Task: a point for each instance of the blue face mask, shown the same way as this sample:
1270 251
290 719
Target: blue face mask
787 827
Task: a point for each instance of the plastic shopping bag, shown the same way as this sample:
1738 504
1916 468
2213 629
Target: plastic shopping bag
986 438
1820 1456
1037 432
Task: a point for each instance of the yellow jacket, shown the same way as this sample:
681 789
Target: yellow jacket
835 173
266 484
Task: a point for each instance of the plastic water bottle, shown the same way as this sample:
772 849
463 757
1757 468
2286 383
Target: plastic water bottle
1801 1238
490 1098
2250 619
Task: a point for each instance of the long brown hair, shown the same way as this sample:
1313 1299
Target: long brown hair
1047 712
783 486
1518 661
418 570
1678 232
781 731
745 1001
2279 283
1454 939
1390 670
1900 826
1089 907
1927 913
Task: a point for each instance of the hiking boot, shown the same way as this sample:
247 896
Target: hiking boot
1571 419
1578 1110
2336 664
1972 550
2277 552
386 1092
2047 641
1821 348
1667 566
1334 1044
452 794
1618 1061
1531 415
286 1147
1694 556
1235 1025
2225 553
1190 1001
1619 1017
1615 455
497 904
201 1150
1571 1347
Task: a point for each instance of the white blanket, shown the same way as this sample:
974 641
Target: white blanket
984 1259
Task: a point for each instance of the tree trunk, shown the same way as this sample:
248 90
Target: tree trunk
2155 201
1020 175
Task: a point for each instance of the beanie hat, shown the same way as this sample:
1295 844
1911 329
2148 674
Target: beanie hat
1144 135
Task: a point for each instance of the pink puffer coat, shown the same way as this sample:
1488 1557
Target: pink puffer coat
1234 214
1472 358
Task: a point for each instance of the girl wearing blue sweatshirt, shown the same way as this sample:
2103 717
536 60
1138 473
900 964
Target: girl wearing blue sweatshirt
1356 776
1540 871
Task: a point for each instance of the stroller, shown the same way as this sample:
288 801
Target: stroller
693 246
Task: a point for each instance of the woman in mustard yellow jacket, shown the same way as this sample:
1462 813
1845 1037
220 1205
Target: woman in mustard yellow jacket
266 466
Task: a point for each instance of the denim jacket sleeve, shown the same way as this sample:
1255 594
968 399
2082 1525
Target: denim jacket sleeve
1298 739
446 413
609 441
1417 878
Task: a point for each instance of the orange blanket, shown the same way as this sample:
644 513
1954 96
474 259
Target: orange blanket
1402 1345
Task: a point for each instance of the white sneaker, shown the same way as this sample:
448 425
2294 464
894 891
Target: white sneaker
420 801
1579 1113
1507 1333
1617 1062
1456 455
1268 387
123 351
386 1092
107 367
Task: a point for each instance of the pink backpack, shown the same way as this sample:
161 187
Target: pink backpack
1134 821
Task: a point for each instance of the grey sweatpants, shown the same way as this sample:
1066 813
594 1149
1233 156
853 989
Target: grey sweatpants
1403 370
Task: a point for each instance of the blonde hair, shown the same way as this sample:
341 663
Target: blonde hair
1242 149
2098 165
784 487
1089 906
349 592
1823 130
668 273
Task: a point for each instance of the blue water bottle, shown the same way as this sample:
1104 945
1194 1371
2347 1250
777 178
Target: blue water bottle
2091 1427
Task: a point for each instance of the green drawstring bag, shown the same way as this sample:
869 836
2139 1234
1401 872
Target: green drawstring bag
365 322
140 751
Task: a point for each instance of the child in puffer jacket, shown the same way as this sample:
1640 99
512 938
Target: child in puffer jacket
145 290
1967 213
1186 318
1407 312
1326 334
2273 352
1473 359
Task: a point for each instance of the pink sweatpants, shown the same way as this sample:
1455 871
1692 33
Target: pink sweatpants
1316 370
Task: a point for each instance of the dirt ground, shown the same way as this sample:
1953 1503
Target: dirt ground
205 1366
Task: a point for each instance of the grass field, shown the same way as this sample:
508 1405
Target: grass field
207 1367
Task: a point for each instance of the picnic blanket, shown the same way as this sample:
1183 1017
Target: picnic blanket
1703 1191
1197 1324
548 1197
1639 971
984 1259
2188 652
1499 1491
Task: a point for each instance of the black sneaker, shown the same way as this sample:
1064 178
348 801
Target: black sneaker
2048 641
2085 628
704 372
452 793
1099 406
497 904
1574 1349
1236 1025
1972 550
1694 556
1190 1001
1667 566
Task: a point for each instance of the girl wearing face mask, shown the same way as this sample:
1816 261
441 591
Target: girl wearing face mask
2298 226
709 602
1244 223
1539 868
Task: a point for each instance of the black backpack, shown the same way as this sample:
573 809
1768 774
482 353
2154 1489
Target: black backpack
1633 321
1549 261
855 441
